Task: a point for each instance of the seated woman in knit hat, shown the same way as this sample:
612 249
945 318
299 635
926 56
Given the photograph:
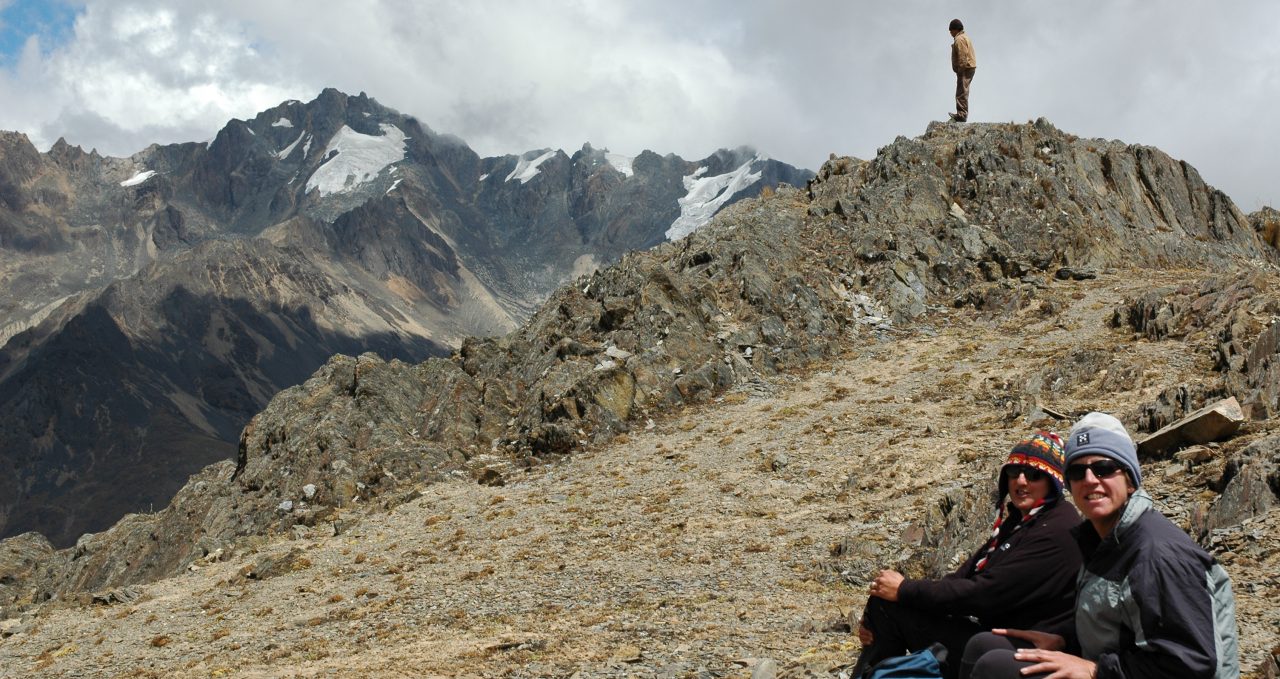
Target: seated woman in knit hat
1151 603
1023 576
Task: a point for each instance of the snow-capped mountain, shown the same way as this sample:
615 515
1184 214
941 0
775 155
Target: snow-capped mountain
152 304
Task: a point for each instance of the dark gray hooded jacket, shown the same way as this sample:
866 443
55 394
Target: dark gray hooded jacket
1151 603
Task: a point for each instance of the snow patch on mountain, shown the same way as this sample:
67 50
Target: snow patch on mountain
138 178
620 163
282 122
356 159
706 195
528 169
483 177
284 153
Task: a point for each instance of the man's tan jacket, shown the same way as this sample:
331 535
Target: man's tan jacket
962 55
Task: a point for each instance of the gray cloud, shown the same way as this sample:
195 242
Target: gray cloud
1199 80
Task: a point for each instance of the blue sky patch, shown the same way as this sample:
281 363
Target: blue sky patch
52 20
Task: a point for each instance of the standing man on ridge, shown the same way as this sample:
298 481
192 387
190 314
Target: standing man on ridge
965 64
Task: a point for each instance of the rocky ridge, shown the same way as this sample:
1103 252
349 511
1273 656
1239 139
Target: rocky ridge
874 258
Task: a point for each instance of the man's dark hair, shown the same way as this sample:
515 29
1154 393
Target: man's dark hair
955 25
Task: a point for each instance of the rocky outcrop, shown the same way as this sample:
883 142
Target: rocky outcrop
1237 316
1024 197
24 226
1266 222
21 164
951 529
1250 487
20 556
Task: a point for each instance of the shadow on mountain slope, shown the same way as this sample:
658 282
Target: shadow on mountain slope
157 406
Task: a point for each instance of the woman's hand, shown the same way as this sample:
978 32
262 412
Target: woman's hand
1056 664
865 637
1041 640
886 585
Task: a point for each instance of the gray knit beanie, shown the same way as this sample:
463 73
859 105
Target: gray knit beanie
1102 434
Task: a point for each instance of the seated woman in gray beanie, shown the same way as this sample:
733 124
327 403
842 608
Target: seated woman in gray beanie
1150 602
1024 576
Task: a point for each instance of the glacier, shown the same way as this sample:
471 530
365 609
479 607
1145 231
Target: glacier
705 195
528 169
359 158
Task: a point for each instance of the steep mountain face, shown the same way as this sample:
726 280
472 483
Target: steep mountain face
974 217
153 303
153 378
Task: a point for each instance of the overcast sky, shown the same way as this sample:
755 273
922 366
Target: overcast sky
1200 80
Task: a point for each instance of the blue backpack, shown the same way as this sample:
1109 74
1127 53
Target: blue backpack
923 664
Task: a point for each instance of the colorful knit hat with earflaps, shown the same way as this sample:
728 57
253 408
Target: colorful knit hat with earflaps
1043 451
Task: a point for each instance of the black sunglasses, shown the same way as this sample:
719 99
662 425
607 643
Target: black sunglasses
1011 472
1101 469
